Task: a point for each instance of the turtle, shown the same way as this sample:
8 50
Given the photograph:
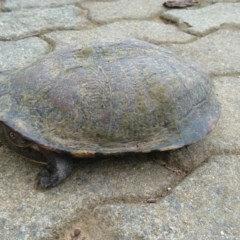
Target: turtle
104 98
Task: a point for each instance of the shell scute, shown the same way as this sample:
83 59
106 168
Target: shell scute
109 98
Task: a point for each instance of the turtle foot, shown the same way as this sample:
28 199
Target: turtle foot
47 178
56 171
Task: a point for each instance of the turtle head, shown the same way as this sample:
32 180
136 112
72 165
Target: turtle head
10 137
17 143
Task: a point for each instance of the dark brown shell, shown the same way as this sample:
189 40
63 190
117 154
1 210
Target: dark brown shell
109 98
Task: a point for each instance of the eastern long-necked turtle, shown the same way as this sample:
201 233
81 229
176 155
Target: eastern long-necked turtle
104 98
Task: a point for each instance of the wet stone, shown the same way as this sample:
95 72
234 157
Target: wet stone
18 54
202 21
28 22
108 11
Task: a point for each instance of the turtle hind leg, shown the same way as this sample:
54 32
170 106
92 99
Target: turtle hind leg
55 172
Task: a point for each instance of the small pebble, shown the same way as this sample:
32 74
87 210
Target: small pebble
151 200
76 232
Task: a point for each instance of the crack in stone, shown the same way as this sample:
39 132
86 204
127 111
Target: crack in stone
228 74
100 23
50 42
45 31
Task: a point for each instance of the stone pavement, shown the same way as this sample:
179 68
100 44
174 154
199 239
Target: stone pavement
190 193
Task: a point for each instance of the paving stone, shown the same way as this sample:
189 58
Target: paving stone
218 52
221 1
40 214
204 3
28 22
19 54
155 32
206 205
121 198
204 20
227 132
18 4
108 11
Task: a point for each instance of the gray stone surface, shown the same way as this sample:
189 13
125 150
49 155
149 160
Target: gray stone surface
18 4
25 23
155 32
138 196
19 54
226 135
26 213
218 52
204 20
108 11
205 205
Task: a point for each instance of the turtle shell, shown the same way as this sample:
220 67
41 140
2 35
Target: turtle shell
110 97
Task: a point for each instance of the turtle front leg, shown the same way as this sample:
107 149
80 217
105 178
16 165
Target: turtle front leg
57 170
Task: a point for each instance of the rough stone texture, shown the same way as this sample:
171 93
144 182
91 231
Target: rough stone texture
218 52
24 23
154 32
204 20
108 11
16 4
221 1
137 178
225 137
205 205
130 197
19 54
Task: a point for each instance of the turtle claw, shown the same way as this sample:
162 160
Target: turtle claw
56 171
47 178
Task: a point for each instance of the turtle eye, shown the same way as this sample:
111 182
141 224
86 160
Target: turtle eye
18 140
13 135
15 138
